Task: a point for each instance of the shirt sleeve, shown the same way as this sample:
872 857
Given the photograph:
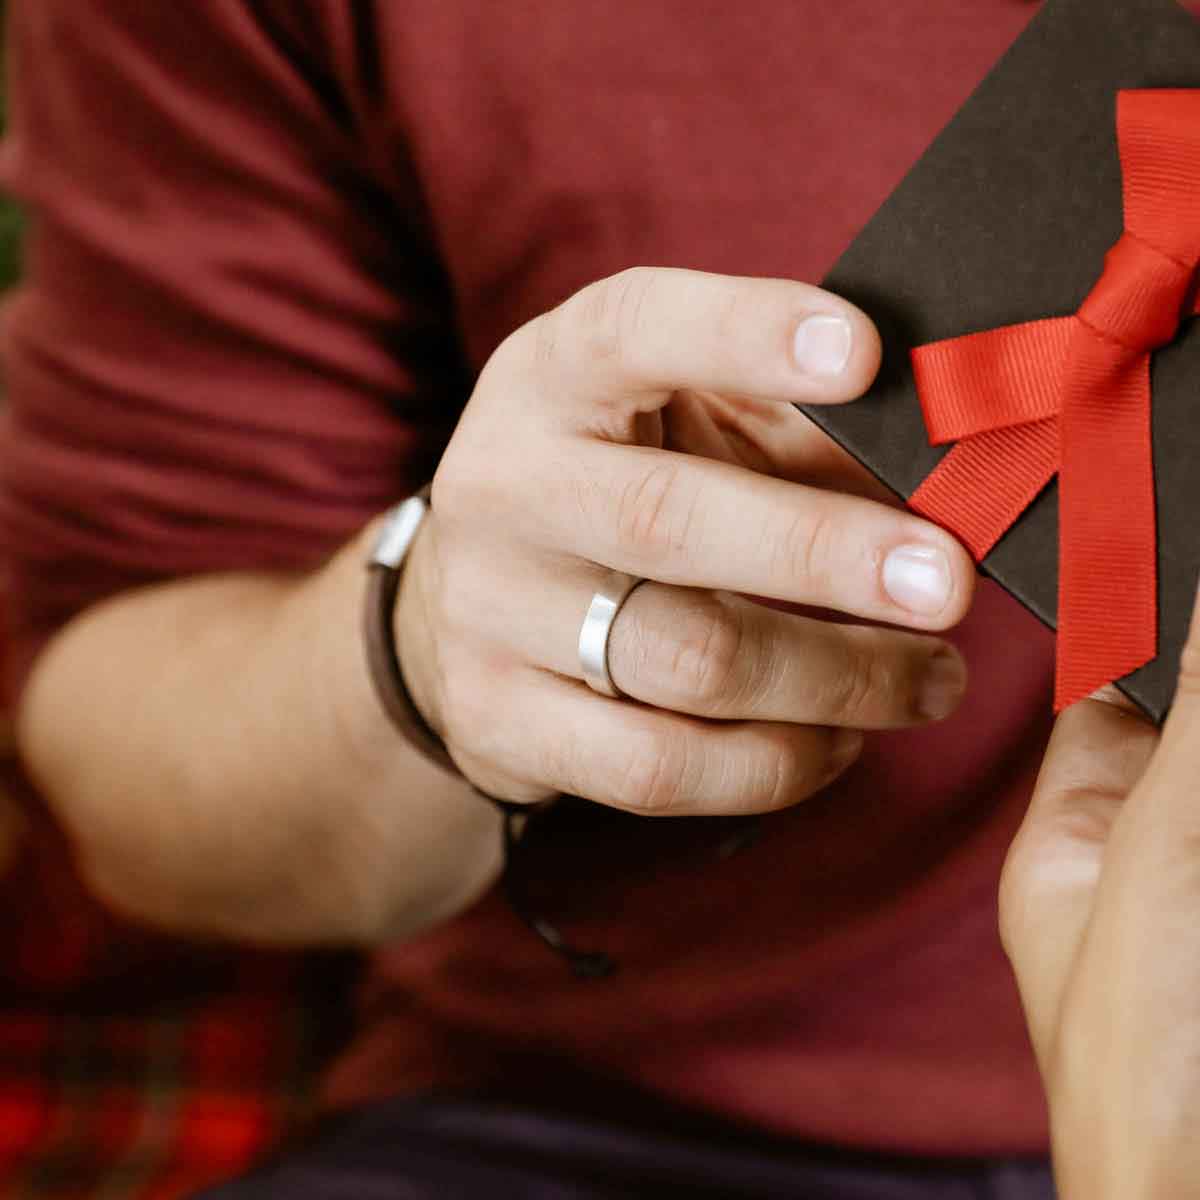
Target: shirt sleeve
231 345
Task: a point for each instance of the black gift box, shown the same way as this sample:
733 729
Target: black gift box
1005 219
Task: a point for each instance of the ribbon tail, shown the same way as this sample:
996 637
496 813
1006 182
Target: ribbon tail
986 482
1108 590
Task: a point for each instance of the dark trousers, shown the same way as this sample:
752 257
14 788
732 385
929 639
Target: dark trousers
455 1149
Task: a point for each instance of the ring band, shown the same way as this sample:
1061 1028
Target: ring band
596 628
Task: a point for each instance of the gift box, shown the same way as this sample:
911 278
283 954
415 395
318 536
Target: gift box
1034 279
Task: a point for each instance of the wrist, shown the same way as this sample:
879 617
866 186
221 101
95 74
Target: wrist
389 565
415 647
421 830
332 619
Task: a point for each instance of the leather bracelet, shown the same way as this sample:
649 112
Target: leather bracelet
385 568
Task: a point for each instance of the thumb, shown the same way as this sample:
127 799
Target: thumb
1154 849
1096 756
1179 760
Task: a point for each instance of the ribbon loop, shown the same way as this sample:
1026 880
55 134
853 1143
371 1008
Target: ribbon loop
990 380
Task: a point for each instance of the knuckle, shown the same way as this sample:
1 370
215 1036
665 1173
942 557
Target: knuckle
786 777
703 654
654 515
806 548
650 777
561 761
864 684
605 320
792 772
1075 827
1083 817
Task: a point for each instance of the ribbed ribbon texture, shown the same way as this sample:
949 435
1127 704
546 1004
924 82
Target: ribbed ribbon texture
1072 395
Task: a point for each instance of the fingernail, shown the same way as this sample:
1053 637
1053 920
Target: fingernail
943 686
918 578
822 345
847 746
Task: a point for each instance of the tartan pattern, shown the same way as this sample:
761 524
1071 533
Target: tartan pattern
135 1066
156 1106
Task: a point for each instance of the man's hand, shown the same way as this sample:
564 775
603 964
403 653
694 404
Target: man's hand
648 426
1100 913
214 750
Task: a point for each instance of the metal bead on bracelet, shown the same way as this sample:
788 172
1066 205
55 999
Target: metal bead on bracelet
385 569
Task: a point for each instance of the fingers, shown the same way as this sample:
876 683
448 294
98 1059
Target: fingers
715 654
721 656
1102 753
1096 756
699 523
556 733
1109 841
1180 758
1155 849
1099 751
618 351
630 340
1098 909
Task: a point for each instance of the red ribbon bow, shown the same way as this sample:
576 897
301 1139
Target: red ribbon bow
1072 395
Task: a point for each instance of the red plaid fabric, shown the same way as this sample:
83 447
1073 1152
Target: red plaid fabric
137 1068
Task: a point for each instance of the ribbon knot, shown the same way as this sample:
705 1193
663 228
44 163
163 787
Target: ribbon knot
1071 395
1138 299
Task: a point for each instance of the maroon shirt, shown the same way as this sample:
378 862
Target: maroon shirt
265 233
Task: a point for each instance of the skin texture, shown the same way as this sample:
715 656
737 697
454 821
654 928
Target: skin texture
1098 913
645 425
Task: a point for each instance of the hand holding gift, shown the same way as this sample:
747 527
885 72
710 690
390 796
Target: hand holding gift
1098 909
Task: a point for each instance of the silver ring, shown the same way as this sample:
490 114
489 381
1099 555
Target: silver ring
596 628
